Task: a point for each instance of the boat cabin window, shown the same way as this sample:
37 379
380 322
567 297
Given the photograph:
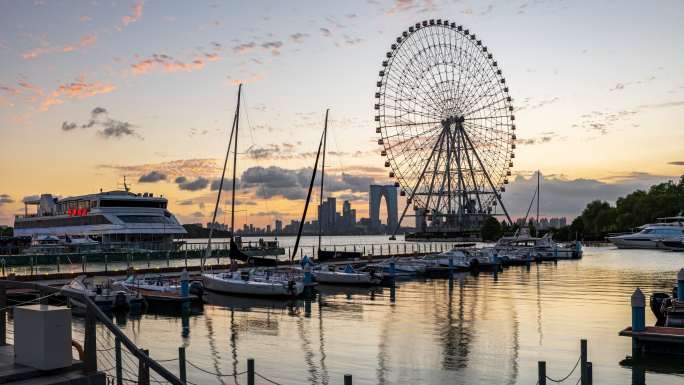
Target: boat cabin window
132 203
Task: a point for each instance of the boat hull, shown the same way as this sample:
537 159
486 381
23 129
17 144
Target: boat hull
341 278
251 288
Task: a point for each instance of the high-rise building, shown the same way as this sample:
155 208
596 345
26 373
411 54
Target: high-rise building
377 192
278 226
327 215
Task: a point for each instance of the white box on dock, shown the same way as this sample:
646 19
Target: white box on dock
42 336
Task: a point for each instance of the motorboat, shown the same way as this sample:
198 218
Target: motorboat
650 237
464 259
542 247
674 244
515 257
108 296
330 274
253 282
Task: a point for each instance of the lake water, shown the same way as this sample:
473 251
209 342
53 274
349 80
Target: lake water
486 329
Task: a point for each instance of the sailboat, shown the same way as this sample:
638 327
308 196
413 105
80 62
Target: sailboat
251 282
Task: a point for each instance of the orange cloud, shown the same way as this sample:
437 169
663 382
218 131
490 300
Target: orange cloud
137 14
168 64
79 89
85 41
252 79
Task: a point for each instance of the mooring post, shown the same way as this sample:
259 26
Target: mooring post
638 302
541 372
583 362
144 370
590 379
347 379
85 263
186 258
680 285
181 365
372 249
185 283
250 371
148 260
117 359
105 261
3 266
451 266
3 318
90 342
31 260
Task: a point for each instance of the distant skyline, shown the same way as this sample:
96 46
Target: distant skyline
93 91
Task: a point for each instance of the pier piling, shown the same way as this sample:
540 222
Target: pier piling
181 365
117 358
347 379
638 302
250 371
144 370
590 379
583 362
541 372
680 285
3 317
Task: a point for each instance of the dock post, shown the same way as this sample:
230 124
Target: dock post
250 371
392 268
541 373
105 261
583 362
590 379
404 248
117 358
144 370
3 318
90 342
638 302
347 379
451 266
185 284
186 258
148 260
372 249
31 260
3 267
85 262
680 285
181 365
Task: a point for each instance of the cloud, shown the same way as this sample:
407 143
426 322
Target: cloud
135 16
180 168
325 32
273 46
273 181
561 196
545 137
169 64
152 177
244 47
80 89
677 163
194 185
85 41
622 85
248 80
528 105
109 128
227 184
601 121
298 37
4 198
487 10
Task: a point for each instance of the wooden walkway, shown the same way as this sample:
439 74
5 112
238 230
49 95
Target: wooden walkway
15 374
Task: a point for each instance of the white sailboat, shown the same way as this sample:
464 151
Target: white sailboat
331 274
245 282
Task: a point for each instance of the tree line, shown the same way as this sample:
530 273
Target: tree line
600 218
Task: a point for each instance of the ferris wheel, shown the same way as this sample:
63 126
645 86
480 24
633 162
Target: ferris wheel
446 123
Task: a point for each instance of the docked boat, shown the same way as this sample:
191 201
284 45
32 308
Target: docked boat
109 220
541 247
464 259
650 237
161 289
330 274
260 247
253 283
674 244
108 296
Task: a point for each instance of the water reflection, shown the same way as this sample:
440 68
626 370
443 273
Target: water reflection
467 329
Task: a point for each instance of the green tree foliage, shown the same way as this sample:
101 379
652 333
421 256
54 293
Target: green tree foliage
636 209
491 230
6 231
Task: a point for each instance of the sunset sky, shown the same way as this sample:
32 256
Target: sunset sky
93 91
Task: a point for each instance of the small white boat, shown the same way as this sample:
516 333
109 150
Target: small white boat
108 296
253 283
150 284
650 237
544 247
329 274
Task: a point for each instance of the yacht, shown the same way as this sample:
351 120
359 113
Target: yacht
541 248
650 237
115 219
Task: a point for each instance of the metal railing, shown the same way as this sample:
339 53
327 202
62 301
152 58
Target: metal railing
116 361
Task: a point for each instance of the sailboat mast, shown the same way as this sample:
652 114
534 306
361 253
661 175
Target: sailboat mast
538 196
232 202
325 138
223 174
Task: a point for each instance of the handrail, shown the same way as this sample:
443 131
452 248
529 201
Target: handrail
94 310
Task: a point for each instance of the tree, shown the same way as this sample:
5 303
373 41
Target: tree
491 229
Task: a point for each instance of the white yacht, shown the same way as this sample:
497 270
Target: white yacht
650 237
115 219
